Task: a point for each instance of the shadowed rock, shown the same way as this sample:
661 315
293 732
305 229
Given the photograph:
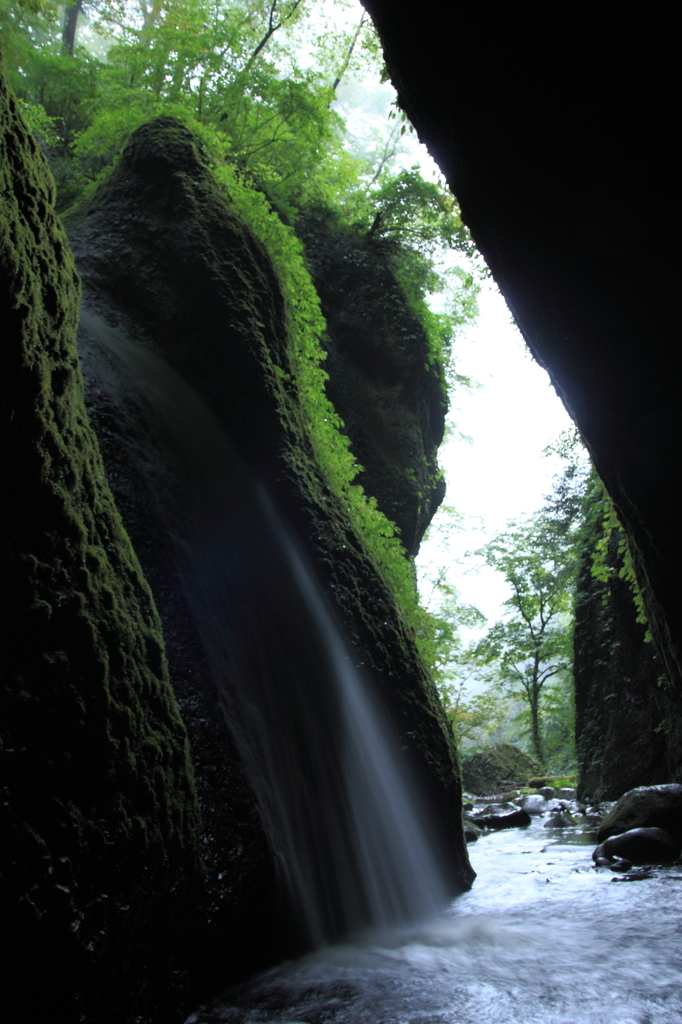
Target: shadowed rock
99 823
646 807
497 822
640 846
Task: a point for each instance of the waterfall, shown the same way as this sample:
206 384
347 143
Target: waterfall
336 803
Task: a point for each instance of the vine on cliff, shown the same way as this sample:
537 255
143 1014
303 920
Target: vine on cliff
602 570
324 426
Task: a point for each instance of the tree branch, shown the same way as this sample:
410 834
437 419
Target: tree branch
349 54
272 28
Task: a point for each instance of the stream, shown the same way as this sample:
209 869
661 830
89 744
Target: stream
542 938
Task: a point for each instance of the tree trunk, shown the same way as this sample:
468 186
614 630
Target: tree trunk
69 27
534 701
537 741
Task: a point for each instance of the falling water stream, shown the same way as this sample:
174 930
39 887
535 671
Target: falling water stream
542 938
335 800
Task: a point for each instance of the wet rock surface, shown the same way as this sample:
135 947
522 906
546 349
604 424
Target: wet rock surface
496 822
560 819
534 804
640 846
646 807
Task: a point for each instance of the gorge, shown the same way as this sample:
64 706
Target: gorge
143 868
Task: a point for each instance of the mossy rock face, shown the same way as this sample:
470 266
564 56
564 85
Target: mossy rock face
619 705
382 380
165 258
498 766
99 821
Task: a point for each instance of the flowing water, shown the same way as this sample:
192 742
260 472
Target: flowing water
334 797
542 938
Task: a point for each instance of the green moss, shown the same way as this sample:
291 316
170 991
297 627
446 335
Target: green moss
306 410
95 757
501 763
230 313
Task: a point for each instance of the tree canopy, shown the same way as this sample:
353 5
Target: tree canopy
531 647
257 81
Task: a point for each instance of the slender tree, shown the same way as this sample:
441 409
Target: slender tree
538 557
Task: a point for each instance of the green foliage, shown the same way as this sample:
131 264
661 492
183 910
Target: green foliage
558 721
220 65
601 567
232 71
441 328
233 68
475 721
421 214
538 557
442 616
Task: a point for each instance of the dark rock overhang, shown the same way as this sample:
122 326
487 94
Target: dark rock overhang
555 129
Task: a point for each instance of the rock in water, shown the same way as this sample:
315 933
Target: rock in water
535 803
642 846
517 819
562 819
646 807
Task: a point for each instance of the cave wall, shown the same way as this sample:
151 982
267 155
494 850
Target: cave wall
99 821
382 381
553 131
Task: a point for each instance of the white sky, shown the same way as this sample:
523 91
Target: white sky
502 474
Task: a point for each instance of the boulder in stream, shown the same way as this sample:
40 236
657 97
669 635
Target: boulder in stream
534 803
645 807
560 819
497 822
640 846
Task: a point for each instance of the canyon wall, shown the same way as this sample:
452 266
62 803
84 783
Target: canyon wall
136 861
618 677
99 815
554 134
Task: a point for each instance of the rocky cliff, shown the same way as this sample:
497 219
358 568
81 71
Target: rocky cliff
382 380
618 685
100 822
556 144
110 873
